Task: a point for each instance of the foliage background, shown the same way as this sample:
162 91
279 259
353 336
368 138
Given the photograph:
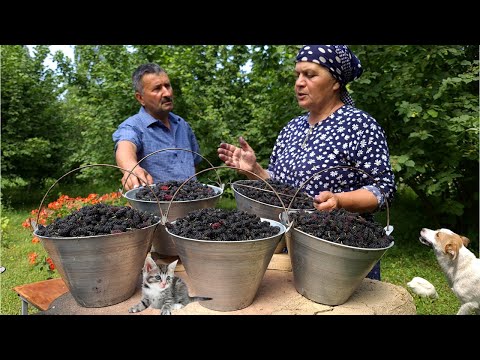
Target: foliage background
425 97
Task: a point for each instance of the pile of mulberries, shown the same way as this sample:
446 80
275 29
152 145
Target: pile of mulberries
342 227
99 219
192 190
285 191
222 225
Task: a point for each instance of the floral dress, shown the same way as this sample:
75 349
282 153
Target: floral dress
336 155
325 156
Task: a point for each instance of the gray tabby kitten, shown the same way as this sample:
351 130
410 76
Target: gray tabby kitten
161 289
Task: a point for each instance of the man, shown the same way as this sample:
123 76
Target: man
154 128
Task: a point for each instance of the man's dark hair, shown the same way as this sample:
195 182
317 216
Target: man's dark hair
138 74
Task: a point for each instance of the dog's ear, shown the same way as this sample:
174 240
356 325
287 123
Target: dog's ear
465 240
452 249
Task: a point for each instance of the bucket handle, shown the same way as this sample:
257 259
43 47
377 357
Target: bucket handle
161 150
216 168
387 228
35 225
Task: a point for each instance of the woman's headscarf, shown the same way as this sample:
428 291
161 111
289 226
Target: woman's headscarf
339 60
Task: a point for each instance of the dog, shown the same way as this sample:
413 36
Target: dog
460 265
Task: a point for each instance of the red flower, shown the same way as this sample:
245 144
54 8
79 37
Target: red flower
32 258
50 263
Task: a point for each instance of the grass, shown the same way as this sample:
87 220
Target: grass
406 259
401 263
16 244
409 258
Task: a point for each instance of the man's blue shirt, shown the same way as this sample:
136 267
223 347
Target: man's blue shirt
150 135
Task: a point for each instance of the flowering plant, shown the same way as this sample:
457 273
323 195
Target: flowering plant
62 207
45 262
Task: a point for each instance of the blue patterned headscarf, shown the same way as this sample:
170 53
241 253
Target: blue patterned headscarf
339 60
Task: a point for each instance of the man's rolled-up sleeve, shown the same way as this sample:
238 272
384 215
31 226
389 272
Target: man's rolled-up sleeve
128 133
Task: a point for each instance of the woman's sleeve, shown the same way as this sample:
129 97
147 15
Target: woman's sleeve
372 156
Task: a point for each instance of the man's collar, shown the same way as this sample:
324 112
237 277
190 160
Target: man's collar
149 119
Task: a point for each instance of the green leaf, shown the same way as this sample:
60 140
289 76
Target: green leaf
396 167
402 159
422 135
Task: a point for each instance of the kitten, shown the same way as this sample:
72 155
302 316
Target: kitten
161 289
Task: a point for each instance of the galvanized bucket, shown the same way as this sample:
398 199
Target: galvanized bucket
99 270
260 209
230 272
162 242
326 272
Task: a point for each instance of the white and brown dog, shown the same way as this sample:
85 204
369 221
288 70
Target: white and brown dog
460 265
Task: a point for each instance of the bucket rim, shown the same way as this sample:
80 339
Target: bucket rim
94 236
344 246
260 202
218 192
282 232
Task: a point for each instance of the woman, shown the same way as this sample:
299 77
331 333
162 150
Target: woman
332 133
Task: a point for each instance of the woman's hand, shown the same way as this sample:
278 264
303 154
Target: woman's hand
326 201
359 201
242 157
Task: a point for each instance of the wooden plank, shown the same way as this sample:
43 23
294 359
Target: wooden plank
42 293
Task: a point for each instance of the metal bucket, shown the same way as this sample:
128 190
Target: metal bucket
162 243
262 210
101 270
230 272
326 272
